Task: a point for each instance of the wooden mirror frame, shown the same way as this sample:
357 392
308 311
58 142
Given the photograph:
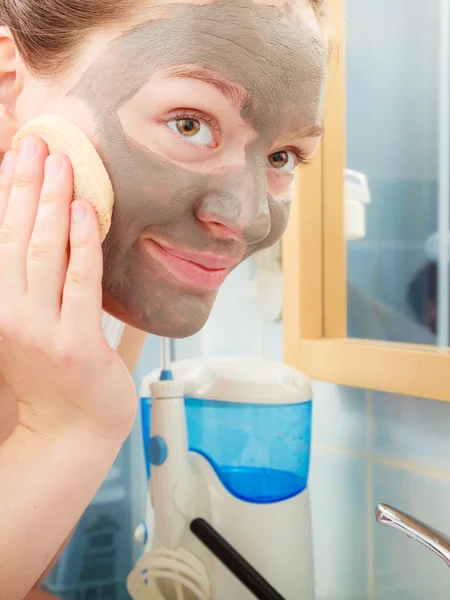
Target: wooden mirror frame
315 279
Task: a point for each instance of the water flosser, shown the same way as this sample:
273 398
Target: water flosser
242 486
168 450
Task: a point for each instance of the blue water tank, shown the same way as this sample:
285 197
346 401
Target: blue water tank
250 418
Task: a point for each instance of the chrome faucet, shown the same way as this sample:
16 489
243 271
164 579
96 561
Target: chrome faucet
434 540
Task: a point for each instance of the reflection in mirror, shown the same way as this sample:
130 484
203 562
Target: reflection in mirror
398 106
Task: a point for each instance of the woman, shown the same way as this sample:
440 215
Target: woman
201 111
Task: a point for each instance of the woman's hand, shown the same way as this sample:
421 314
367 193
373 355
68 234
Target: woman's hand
53 354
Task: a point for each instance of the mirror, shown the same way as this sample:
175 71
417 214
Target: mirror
398 137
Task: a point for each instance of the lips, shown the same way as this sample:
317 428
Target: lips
207 271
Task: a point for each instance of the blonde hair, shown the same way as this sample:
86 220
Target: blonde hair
48 33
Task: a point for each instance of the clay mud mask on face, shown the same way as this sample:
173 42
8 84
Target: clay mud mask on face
279 60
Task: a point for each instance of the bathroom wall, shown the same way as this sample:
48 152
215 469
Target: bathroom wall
367 448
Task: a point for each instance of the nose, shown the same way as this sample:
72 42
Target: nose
236 207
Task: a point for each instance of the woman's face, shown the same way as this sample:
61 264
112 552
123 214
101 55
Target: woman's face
201 116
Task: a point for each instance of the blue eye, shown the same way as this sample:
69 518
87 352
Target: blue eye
194 130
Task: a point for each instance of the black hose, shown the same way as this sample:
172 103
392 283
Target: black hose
234 562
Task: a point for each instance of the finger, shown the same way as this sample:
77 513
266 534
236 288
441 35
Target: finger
19 217
47 252
9 128
81 309
6 180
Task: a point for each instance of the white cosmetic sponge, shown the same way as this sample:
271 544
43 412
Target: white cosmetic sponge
91 180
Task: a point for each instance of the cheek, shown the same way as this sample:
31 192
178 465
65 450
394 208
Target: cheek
73 109
279 217
165 195
149 191
280 186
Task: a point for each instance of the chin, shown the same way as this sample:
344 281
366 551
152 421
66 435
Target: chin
174 331
179 317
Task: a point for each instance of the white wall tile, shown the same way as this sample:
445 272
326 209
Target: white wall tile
325 593
405 570
339 502
233 327
190 347
148 360
412 430
272 339
339 416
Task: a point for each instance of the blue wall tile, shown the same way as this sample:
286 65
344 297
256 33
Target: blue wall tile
340 417
412 431
338 485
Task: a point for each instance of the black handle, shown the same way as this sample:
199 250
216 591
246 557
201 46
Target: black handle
234 562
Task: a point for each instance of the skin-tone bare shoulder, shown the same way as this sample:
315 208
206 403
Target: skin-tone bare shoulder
130 347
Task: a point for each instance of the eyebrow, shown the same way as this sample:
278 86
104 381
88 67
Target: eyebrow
233 92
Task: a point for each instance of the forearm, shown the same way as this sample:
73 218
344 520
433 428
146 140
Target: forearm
46 485
129 349
48 570
37 594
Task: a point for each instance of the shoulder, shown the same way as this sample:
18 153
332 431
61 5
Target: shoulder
131 345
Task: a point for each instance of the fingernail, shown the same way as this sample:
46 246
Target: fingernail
7 163
78 212
27 150
53 165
